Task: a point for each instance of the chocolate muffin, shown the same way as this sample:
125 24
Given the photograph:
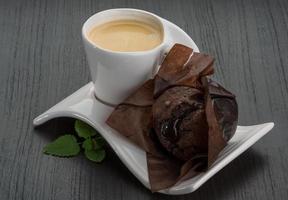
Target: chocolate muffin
179 119
180 123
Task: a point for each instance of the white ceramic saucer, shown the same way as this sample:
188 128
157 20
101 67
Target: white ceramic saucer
83 105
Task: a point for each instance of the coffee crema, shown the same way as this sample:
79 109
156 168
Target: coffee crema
126 36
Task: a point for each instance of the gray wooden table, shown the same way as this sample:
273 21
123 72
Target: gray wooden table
42 61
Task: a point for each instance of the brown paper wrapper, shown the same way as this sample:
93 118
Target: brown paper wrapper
210 118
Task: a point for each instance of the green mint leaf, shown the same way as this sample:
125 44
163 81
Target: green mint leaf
98 142
84 130
63 146
88 144
95 155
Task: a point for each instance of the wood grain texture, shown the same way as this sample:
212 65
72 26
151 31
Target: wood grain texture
42 61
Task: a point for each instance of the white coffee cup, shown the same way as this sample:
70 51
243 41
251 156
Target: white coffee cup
118 74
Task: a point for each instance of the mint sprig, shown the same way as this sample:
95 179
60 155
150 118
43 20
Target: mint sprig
84 130
95 155
63 146
88 144
67 145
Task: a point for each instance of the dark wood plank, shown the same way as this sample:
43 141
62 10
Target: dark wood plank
42 61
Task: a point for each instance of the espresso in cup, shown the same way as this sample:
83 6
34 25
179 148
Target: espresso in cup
126 36
124 48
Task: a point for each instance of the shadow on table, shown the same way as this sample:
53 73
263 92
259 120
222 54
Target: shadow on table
112 165
231 178
228 180
55 128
